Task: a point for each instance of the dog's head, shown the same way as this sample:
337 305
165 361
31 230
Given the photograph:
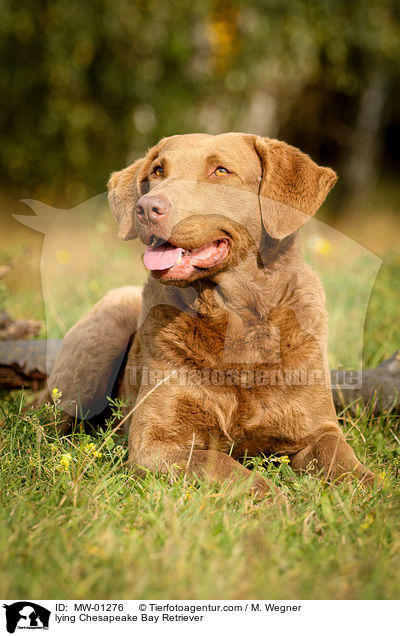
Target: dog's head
200 202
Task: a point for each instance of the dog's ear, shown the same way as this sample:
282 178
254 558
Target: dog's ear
292 187
123 192
124 189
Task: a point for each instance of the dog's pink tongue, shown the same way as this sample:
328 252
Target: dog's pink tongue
162 256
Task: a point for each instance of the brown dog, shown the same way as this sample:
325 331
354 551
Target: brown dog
228 356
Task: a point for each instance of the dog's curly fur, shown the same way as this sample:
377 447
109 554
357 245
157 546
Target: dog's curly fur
257 319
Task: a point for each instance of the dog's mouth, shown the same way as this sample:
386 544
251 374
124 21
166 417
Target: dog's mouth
168 261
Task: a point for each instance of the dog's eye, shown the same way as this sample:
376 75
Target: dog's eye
158 171
220 171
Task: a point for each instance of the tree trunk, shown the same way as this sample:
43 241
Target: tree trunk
360 171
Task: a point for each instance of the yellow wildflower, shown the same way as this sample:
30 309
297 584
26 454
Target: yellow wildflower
90 449
56 394
319 244
368 521
66 459
188 493
63 257
94 286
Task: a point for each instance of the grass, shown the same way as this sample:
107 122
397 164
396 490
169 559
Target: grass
79 525
75 523
81 258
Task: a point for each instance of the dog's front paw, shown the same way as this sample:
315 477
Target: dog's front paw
263 488
369 479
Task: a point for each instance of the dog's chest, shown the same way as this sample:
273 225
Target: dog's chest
237 419
229 384
221 343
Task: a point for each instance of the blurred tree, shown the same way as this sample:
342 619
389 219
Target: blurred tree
332 69
87 86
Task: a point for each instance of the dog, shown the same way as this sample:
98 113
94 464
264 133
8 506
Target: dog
227 352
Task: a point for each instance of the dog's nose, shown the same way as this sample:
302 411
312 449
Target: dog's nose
151 209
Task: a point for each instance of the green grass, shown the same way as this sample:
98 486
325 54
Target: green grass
361 293
77 525
86 527
82 259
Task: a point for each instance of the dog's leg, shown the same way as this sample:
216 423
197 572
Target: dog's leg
330 454
211 465
166 445
92 352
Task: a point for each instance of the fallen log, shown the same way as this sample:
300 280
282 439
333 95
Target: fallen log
379 387
25 363
15 329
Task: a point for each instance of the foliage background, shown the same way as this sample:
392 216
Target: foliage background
86 87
